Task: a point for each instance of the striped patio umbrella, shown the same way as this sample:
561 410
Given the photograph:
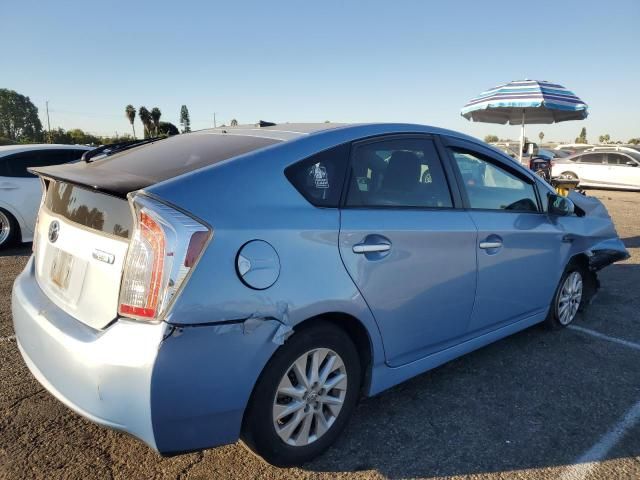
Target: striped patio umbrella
525 101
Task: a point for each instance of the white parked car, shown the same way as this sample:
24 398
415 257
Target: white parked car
606 168
20 191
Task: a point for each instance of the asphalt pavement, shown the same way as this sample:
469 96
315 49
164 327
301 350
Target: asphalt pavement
537 405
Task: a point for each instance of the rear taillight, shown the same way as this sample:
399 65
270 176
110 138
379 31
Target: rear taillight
165 246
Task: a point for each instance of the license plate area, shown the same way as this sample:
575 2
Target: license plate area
61 266
66 275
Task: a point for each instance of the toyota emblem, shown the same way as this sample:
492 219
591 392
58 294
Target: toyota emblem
54 230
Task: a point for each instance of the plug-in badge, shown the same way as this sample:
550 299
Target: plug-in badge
103 256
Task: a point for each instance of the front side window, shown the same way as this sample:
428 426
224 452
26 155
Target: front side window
491 187
401 172
617 159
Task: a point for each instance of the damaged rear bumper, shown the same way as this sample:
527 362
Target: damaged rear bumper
202 380
176 388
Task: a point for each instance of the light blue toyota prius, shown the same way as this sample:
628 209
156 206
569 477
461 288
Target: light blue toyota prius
255 282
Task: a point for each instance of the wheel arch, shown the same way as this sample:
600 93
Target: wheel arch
570 172
358 334
582 260
353 327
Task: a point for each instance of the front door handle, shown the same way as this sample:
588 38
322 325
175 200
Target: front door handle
371 248
487 245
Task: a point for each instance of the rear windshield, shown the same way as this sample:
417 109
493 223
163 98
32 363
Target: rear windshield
91 209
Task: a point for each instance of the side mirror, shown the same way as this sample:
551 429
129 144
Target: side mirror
560 206
631 163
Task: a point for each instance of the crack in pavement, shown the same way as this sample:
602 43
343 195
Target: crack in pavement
25 397
188 468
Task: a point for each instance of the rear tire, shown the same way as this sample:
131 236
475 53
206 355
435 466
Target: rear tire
319 411
570 296
569 175
8 229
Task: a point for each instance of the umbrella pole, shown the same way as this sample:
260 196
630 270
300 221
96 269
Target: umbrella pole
522 136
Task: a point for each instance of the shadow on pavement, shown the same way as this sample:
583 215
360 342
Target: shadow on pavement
535 400
22 250
632 242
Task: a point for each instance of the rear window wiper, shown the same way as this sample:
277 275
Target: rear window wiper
117 147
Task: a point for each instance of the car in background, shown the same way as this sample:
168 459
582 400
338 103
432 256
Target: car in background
20 191
253 283
542 162
606 167
573 148
553 154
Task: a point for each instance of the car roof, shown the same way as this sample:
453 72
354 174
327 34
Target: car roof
160 160
291 131
9 149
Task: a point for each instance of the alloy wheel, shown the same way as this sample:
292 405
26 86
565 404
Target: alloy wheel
569 298
309 397
5 228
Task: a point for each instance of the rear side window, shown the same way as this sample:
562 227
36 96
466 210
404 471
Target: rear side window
592 158
319 178
400 172
16 165
491 187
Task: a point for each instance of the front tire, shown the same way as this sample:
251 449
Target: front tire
569 298
304 397
8 229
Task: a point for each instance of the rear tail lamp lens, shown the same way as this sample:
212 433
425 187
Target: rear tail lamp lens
165 246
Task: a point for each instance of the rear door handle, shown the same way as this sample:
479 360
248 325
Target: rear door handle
370 248
487 245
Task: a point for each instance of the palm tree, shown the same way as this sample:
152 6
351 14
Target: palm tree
155 116
145 118
130 112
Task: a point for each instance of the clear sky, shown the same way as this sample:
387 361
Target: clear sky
344 61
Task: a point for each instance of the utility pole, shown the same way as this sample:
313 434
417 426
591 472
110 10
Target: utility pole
48 123
214 120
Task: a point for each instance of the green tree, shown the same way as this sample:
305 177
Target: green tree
604 138
130 112
583 136
184 119
18 117
155 117
634 141
234 123
167 128
59 135
145 118
491 138
541 136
